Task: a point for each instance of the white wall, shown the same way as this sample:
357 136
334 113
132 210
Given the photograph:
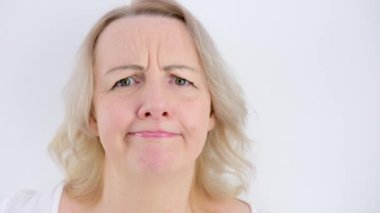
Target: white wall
310 69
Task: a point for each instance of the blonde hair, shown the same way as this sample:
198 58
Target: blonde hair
221 169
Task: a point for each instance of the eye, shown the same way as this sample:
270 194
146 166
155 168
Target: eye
181 81
125 82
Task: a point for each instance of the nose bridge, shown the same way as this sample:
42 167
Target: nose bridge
153 88
153 79
154 98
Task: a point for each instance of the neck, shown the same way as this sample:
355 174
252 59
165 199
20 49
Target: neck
146 192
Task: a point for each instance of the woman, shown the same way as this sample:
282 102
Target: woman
153 122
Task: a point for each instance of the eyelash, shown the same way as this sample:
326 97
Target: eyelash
117 84
187 82
174 79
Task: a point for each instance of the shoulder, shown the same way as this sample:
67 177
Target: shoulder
232 205
28 201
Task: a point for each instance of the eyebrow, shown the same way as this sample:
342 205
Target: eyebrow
126 67
141 68
171 67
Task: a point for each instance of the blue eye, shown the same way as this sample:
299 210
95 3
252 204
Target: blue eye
125 82
181 81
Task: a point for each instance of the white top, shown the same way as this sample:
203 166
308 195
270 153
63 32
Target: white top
28 201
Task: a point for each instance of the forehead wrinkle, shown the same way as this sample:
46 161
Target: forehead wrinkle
139 44
152 40
119 38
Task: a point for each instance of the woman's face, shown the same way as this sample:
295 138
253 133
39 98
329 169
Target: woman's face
151 99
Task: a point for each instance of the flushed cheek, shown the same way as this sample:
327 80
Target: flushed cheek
113 119
195 123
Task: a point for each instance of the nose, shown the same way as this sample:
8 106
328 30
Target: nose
154 103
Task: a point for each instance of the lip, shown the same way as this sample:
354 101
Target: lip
153 134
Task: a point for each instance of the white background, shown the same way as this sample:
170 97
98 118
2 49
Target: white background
310 70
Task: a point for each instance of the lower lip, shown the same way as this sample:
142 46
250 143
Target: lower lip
153 134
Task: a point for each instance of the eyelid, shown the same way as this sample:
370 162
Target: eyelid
135 81
174 77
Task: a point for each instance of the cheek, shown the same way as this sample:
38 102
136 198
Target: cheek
113 118
195 119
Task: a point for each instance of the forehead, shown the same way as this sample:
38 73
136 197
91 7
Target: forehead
135 36
156 25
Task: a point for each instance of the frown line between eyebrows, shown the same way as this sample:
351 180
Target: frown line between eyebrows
136 67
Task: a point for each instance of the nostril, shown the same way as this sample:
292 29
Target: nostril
149 114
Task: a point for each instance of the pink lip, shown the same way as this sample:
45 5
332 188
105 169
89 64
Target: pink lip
153 134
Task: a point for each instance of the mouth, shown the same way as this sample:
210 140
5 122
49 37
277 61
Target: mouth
153 134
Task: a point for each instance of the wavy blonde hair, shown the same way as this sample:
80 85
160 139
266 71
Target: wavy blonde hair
221 169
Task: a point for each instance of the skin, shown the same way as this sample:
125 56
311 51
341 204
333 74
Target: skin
152 115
